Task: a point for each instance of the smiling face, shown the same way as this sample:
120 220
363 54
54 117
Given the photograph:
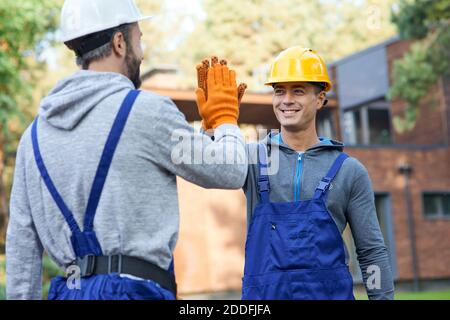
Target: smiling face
296 104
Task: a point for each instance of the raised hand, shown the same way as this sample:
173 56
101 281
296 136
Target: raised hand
203 74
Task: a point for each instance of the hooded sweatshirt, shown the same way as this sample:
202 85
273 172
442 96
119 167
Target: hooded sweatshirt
350 198
138 213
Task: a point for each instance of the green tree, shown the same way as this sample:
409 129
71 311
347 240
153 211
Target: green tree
23 27
251 32
428 23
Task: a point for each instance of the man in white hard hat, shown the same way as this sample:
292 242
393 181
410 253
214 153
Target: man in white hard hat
101 149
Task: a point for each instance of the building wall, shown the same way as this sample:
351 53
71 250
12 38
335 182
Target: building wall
446 90
430 173
426 149
210 252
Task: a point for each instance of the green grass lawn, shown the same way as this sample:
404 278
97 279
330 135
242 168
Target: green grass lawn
444 295
2 268
2 278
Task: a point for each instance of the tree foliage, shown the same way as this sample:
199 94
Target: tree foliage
427 22
23 26
250 33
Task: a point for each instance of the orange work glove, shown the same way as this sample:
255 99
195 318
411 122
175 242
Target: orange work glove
222 105
202 77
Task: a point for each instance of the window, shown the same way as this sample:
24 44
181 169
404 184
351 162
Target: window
368 124
436 205
352 128
325 123
379 126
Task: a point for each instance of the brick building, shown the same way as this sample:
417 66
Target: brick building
414 211
410 175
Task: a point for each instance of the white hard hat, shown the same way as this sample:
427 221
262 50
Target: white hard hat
83 17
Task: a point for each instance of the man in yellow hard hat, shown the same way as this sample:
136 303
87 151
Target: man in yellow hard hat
301 193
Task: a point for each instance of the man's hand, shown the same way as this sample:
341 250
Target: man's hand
203 91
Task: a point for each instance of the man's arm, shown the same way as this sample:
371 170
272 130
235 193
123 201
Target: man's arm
370 248
23 247
172 143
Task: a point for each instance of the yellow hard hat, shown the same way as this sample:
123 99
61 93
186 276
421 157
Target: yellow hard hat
298 64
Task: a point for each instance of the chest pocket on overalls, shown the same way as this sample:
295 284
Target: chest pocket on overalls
291 242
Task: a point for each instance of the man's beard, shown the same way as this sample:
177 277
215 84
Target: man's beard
133 68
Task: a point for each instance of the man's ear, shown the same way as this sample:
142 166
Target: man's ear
119 45
322 100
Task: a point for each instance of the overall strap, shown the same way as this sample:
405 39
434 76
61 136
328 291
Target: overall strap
68 216
86 243
83 244
324 184
263 179
106 159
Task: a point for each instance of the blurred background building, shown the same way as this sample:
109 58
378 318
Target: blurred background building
410 174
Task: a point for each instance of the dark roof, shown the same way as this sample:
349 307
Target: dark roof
364 52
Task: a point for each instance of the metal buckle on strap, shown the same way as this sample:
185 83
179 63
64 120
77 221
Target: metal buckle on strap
115 267
86 265
324 184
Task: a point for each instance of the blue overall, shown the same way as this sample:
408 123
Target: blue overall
107 286
294 250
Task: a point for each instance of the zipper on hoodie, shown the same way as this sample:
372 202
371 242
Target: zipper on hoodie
298 177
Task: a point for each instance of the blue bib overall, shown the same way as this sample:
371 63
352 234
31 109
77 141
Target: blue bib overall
294 250
106 286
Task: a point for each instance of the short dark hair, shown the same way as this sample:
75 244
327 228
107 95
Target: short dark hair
104 51
319 86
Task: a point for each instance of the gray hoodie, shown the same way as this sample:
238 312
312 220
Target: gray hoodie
138 213
350 198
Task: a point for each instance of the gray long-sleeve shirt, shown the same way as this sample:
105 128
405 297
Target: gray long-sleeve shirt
138 213
350 199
